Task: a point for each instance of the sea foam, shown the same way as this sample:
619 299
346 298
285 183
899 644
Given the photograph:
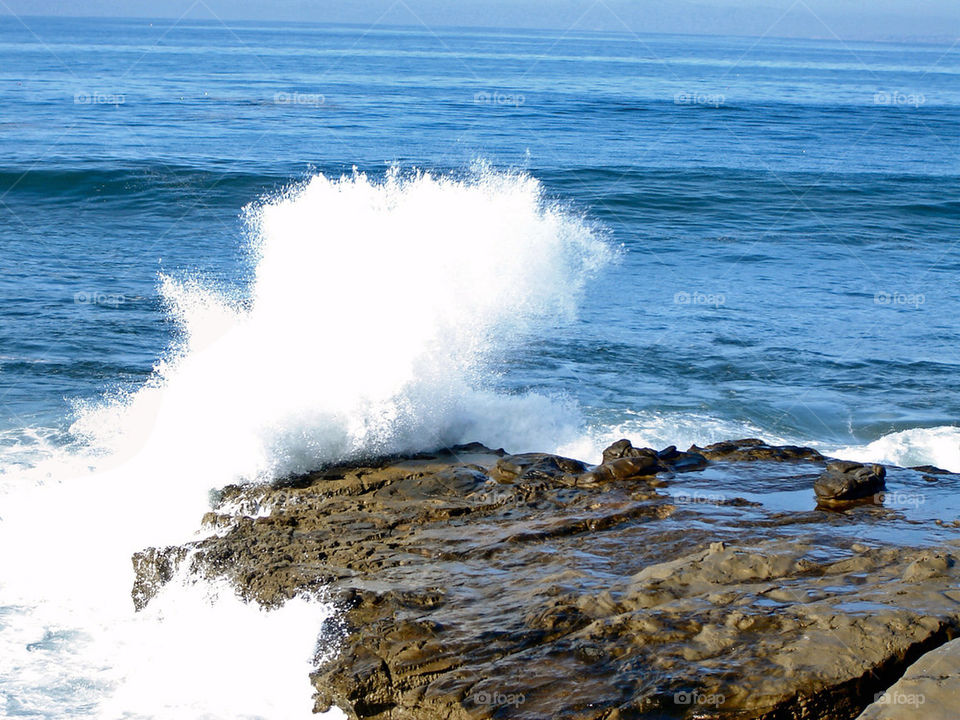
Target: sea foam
939 446
377 313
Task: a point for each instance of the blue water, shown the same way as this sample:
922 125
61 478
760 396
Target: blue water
776 221
788 209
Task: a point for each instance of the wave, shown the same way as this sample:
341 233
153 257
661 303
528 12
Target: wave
375 323
375 320
127 183
938 446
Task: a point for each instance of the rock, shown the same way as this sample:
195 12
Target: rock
750 449
621 461
621 469
844 481
477 584
930 689
624 448
928 565
668 459
931 470
152 570
535 466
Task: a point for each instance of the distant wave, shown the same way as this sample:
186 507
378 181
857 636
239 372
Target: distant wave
126 183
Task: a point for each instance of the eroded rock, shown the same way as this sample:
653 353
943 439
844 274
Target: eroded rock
476 584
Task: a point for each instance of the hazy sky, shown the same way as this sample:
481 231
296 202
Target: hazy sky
848 19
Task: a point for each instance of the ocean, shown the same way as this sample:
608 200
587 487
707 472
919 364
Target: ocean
233 253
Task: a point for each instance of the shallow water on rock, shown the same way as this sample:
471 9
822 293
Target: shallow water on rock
911 511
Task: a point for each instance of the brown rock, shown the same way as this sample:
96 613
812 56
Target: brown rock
476 584
844 481
750 449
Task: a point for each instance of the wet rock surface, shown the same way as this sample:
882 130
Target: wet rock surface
845 481
659 584
754 449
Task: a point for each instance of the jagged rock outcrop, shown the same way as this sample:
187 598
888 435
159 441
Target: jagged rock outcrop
658 584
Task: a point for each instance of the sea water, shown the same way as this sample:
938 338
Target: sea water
228 254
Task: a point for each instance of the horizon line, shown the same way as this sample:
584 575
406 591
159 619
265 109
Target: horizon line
945 40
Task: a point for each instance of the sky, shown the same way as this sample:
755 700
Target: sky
930 20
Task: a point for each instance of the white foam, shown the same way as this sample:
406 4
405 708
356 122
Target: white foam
71 645
374 314
939 446
192 653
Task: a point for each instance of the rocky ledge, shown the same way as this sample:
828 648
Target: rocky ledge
738 580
